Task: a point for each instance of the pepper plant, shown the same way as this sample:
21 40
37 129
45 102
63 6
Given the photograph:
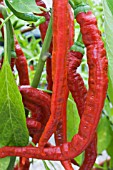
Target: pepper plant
61 87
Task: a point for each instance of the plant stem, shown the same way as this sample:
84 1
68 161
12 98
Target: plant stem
5 20
79 39
10 46
41 61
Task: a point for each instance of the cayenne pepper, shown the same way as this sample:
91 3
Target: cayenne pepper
60 29
21 65
36 123
79 92
60 133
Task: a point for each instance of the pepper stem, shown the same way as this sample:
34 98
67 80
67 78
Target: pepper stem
41 62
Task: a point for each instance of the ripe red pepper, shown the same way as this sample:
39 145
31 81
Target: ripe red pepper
79 93
59 67
61 131
21 65
39 117
34 100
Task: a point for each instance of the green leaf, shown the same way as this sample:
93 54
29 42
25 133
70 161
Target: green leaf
109 45
110 5
4 162
111 115
108 110
107 107
28 16
26 6
104 134
72 117
73 121
110 152
13 129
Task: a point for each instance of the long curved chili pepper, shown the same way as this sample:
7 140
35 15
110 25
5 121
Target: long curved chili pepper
34 100
21 65
98 82
43 29
37 122
59 67
61 131
79 93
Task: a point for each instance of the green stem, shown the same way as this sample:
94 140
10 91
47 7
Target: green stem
43 9
5 44
75 3
10 46
79 39
41 61
72 4
5 20
12 162
47 91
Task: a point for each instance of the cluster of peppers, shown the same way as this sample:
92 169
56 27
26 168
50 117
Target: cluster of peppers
48 112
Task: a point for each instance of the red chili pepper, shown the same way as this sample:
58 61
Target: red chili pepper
61 131
59 67
21 65
43 27
34 100
79 93
37 122
90 155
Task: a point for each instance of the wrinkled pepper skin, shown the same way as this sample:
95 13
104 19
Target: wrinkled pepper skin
34 100
21 65
75 81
